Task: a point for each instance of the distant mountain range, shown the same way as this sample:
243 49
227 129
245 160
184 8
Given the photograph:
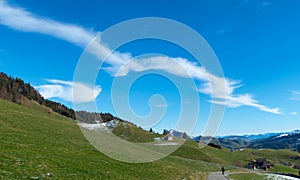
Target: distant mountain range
276 140
281 140
289 140
251 137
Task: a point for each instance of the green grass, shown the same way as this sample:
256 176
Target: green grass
199 175
238 158
284 169
134 134
36 144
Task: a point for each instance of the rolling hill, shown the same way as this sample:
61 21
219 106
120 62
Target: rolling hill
36 144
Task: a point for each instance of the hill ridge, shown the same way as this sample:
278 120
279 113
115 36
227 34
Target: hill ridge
15 90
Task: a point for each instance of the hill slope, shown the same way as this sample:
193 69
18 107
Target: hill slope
17 91
35 144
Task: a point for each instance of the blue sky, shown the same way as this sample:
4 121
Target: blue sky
257 44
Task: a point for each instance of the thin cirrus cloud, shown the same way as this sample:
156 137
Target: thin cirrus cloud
69 91
293 113
20 19
122 63
295 95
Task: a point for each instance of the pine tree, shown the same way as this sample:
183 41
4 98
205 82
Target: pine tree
151 130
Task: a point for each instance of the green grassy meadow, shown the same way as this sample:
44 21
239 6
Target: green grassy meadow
36 143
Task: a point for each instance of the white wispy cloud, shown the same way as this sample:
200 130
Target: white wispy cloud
120 63
69 91
295 95
221 89
293 113
20 19
177 66
236 100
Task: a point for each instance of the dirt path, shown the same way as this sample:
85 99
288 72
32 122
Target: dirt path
217 176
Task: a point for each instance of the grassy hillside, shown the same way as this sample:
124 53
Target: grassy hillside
190 150
239 158
37 144
132 133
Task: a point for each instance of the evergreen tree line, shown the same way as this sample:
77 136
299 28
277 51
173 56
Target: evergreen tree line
92 117
15 90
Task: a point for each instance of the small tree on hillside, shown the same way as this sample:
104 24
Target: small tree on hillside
151 130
